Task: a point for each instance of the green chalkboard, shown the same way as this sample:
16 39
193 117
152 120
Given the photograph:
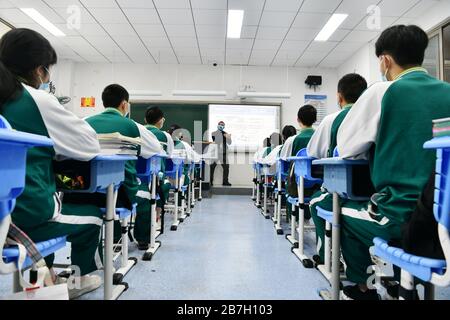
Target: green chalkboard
184 115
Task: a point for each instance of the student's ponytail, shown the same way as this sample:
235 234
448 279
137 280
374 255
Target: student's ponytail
9 85
22 51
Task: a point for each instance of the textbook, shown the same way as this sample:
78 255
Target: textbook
115 143
441 127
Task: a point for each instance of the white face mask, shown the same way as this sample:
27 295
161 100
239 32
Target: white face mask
384 76
46 86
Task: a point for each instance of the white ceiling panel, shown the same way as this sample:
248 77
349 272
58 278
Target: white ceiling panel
189 59
420 8
211 43
209 4
301 34
186 52
97 58
156 42
272 33
239 43
119 29
91 29
307 63
183 42
346 46
172 4
311 20
361 36
251 18
174 30
108 15
248 32
286 5
142 4
85 16
277 18
176 16
150 30
15 16
396 8
266 44
322 6
322 46
99 3
142 16
211 31
210 17
260 54
311 55
247 5
292 45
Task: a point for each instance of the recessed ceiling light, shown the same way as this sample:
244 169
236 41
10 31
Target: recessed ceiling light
43 22
331 26
235 18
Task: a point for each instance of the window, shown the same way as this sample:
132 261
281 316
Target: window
446 51
432 63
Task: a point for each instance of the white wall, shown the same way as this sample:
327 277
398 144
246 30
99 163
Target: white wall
436 15
363 62
90 79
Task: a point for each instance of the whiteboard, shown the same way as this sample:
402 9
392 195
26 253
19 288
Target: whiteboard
248 125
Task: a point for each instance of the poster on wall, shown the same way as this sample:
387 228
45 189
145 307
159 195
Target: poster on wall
88 102
320 103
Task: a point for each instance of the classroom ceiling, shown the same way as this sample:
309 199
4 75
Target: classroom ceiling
274 32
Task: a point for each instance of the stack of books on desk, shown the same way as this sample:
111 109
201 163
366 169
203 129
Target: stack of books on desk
115 143
441 127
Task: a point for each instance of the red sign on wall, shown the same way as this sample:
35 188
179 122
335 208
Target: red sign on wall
88 102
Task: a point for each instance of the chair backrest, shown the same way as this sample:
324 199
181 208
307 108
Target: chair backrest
442 186
4 124
302 153
336 153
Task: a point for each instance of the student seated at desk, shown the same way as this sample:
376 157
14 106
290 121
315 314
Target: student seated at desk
154 119
271 154
26 58
180 149
323 143
306 117
289 134
115 100
390 122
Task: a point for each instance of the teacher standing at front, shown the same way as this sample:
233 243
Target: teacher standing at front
223 140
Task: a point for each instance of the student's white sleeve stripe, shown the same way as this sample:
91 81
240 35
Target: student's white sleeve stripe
318 199
73 137
360 127
320 141
363 215
170 144
73 219
150 144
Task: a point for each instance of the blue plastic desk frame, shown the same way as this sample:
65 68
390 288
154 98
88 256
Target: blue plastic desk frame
303 167
174 170
148 171
433 271
201 167
265 171
338 181
282 175
14 146
107 173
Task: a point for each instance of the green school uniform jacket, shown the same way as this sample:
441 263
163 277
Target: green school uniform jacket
35 111
301 140
334 129
389 125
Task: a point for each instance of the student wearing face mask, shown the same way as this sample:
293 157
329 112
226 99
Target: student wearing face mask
114 119
25 60
223 140
388 125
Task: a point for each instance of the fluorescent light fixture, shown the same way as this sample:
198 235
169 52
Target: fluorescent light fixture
43 22
204 93
145 93
280 95
331 26
234 27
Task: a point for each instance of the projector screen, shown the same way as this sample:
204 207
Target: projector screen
248 125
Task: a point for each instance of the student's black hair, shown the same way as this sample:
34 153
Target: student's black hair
113 95
352 86
307 115
153 115
288 131
275 139
406 44
174 127
21 52
267 143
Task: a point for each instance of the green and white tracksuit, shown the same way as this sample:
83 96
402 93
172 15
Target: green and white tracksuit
111 121
389 125
38 210
322 145
143 217
301 142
